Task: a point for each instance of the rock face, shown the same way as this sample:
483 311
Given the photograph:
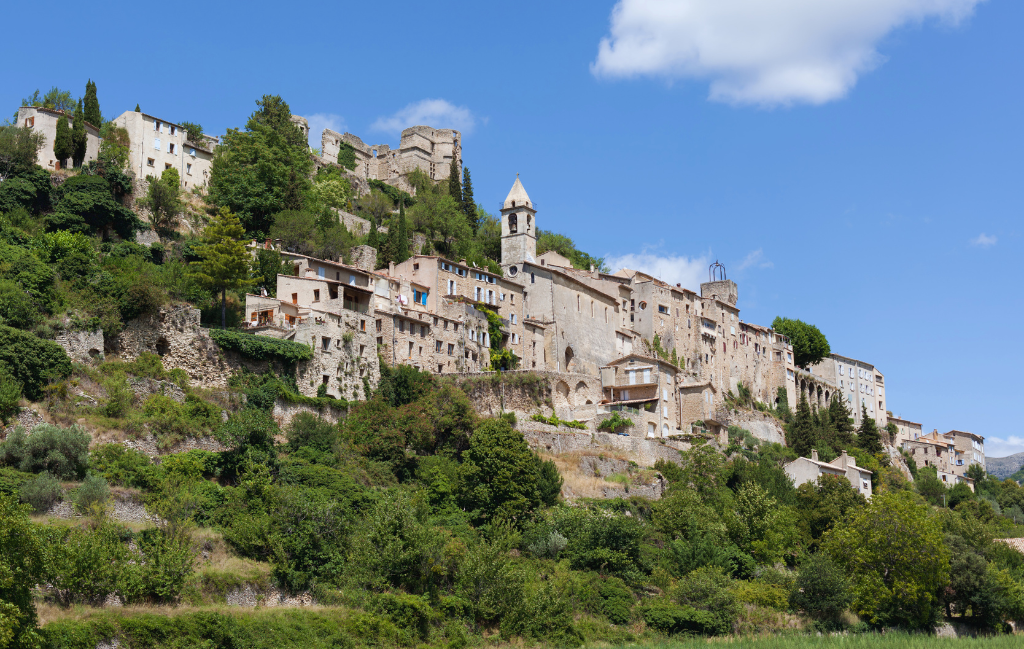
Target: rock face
146 387
645 452
651 487
81 346
1004 467
761 425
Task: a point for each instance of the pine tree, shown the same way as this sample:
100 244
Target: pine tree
372 239
468 203
454 186
223 260
63 145
92 105
839 416
867 435
79 139
402 239
800 432
137 109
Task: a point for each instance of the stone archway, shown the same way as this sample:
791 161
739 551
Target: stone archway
562 395
569 356
581 393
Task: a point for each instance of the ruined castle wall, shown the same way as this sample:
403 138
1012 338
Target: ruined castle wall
81 346
644 452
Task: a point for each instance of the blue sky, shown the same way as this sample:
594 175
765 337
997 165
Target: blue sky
855 163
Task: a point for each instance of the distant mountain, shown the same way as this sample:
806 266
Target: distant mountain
1004 467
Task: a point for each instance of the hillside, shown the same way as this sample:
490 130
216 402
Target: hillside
1004 467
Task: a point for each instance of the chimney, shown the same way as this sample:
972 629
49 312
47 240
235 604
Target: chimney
814 454
463 262
391 268
310 272
266 244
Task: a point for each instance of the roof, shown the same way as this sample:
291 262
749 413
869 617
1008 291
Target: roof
964 432
905 421
647 359
60 113
517 196
327 280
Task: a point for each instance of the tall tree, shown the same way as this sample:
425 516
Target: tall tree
78 136
223 261
454 184
402 241
800 433
867 435
373 238
19 147
839 415
137 109
63 144
21 568
163 200
468 203
92 105
809 344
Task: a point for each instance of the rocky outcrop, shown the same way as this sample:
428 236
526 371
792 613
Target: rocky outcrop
81 346
761 425
145 387
645 452
249 597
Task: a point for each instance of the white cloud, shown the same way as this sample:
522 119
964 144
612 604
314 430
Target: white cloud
755 259
672 269
760 51
984 240
320 121
1003 446
429 112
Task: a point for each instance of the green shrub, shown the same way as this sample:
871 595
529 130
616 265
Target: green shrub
31 361
93 494
549 546
553 420
63 452
119 398
616 601
261 348
821 589
11 481
615 422
706 590
772 596
41 492
124 467
10 398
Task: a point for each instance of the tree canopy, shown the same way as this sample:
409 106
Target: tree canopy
809 345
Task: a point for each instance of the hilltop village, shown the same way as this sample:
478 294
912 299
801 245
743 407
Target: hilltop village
244 373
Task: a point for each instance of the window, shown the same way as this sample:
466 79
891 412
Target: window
643 306
150 162
578 308
316 295
664 394
351 280
192 152
380 325
325 343
415 266
170 147
156 126
515 339
156 144
188 168
647 376
362 325
401 326
174 130
533 278
662 308
455 326
451 349
490 297
437 346
420 297
513 318
295 298
167 166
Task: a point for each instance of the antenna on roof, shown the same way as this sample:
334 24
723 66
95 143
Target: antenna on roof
716 272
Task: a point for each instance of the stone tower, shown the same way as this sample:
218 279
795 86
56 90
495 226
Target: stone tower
518 227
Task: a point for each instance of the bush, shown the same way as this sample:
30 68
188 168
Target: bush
119 398
31 361
821 589
706 590
41 493
93 494
306 429
123 466
616 601
63 452
261 348
615 422
553 420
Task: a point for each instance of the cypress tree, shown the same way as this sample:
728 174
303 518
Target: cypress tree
402 240
454 186
92 105
78 136
800 432
63 145
372 239
839 417
867 435
137 109
468 203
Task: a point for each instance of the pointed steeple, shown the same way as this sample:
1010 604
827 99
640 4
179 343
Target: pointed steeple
517 196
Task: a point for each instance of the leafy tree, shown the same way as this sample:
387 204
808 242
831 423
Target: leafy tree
21 568
266 266
87 203
550 483
224 262
54 99
821 589
263 170
308 430
78 136
868 437
163 200
713 606
330 190
10 397
64 452
930 487
822 504
894 553
346 155
193 132
92 105
63 141
809 345
137 109
19 147
564 246
468 202
499 474
113 153
800 433
454 184
31 361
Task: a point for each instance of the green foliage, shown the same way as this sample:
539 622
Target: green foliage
92 204
223 260
564 246
711 606
21 568
163 200
41 492
79 138
397 196
346 155
63 141
193 132
553 420
403 384
499 476
549 482
868 437
823 504
263 170
10 397
93 494
113 153
19 147
468 202
266 266
809 344
54 99
124 467
92 105
893 551
615 423
261 348
821 589
64 452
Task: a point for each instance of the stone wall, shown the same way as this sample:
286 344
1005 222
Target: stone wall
285 411
568 395
364 257
761 425
644 452
81 346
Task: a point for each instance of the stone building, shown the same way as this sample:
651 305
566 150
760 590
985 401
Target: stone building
970 449
860 383
44 120
810 469
156 144
907 431
421 147
645 390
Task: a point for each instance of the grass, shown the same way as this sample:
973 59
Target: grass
862 641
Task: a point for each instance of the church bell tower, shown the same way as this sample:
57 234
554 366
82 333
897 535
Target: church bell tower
518 227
